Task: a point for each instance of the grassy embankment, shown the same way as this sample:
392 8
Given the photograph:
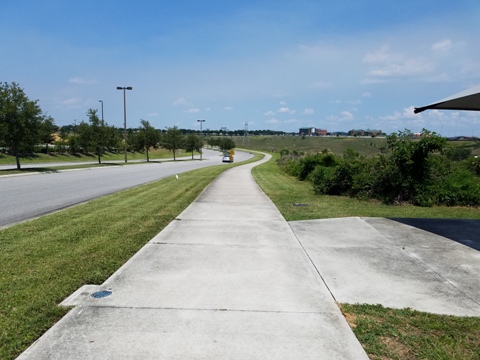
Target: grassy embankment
337 145
384 333
45 260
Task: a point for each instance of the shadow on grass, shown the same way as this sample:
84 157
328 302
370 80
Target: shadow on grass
463 231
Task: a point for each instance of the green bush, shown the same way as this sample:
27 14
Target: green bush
310 162
458 153
414 171
460 188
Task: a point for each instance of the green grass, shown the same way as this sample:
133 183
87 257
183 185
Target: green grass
408 334
53 169
285 190
337 145
109 156
45 260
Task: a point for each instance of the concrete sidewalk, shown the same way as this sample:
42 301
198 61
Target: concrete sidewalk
227 280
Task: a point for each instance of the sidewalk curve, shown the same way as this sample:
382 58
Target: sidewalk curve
227 279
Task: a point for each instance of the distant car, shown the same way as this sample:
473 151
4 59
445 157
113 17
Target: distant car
227 159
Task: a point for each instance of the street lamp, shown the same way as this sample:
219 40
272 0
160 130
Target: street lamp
201 150
124 117
201 122
102 109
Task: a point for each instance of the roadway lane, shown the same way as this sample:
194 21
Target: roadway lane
27 197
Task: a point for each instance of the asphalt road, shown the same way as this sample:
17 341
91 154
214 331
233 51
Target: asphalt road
27 197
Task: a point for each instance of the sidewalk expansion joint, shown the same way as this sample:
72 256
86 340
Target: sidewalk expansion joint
313 264
210 310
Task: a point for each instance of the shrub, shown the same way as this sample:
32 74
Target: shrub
460 188
458 153
323 179
310 162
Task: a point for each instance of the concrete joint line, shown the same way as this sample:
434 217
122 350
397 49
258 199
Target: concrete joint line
311 262
210 310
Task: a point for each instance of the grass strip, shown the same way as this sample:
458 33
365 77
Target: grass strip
45 260
81 157
53 169
285 191
407 334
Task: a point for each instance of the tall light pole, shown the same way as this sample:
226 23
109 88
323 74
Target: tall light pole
124 117
201 150
102 109
201 122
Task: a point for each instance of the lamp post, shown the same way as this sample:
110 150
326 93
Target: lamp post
124 117
201 150
101 101
201 122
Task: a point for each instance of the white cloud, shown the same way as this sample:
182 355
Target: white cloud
207 109
272 121
180 102
228 108
269 113
378 56
285 110
82 81
408 112
346 115
366 94
387 65
153 114
308 111
192 110
354 102
282 103
443 46
72 103
292 121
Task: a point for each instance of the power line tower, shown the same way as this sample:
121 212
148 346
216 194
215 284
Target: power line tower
245 141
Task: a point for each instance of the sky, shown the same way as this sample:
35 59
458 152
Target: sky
278 65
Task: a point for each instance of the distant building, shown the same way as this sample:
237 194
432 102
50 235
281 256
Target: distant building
311 131
361 132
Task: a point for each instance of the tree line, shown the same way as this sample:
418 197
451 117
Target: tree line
23 126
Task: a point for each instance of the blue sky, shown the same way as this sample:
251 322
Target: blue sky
280 65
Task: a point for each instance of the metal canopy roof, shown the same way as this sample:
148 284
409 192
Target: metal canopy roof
465 100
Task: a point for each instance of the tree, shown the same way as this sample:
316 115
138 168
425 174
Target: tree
148 137
193 142
20 119
173 140
47 128
96 135
226 144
